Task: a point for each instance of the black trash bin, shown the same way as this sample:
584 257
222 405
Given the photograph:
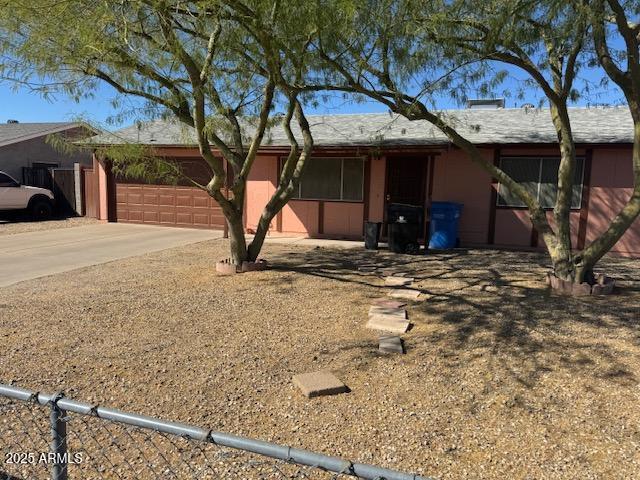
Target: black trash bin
404 224
371 235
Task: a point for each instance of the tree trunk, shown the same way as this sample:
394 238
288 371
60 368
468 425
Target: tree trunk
562 255
237 242
261 232
290 176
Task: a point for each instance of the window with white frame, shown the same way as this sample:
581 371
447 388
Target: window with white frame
332 178
539 176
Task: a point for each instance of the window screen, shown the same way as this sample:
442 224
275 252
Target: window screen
549 182
524 171
321 179
539 175
352 179
332 178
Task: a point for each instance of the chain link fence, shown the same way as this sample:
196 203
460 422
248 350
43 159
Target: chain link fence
45 436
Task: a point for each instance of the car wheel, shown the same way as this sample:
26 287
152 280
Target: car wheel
41 210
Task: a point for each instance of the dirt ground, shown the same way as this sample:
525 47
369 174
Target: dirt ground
501 378
11 225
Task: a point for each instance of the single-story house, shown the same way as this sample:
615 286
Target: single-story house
24 147
363 162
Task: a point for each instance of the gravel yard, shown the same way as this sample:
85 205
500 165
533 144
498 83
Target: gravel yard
10 227
501 379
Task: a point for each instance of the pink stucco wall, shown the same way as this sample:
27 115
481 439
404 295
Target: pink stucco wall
457 179
342 219
611 187
102 189
513 228
301 217
261 184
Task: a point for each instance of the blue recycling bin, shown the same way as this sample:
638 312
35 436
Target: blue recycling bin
443 227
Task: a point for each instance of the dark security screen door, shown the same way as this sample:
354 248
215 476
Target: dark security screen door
406 180
406 183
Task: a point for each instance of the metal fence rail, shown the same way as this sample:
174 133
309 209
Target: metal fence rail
88 441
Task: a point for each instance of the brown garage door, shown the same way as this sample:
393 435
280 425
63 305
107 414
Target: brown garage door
167 205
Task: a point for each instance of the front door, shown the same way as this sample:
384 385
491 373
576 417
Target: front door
406 181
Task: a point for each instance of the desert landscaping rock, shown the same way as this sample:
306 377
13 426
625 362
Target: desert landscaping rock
317 384
515 384
398 281
385 302
391 344
405 293
399 313
388 324
10 228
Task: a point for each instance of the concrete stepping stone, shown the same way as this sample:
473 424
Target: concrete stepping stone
390 344
388 324
400 313
398 281
385 302
317 384
405 293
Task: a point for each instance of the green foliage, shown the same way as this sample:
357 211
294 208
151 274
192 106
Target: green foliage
138 162
129 160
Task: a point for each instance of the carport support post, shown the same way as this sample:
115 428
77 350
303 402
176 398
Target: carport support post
58 447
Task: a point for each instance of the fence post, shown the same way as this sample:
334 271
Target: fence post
77 185
58 439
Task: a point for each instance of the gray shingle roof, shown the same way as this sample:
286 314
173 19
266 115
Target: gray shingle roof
481 126
18 132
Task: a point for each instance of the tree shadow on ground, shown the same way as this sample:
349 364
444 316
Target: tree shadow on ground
494 309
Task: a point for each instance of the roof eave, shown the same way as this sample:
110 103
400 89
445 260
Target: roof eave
43 133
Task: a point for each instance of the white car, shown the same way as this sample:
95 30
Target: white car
14 196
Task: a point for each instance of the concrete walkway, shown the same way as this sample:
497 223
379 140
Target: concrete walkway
315 242
25 256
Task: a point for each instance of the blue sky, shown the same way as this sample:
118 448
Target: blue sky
26 106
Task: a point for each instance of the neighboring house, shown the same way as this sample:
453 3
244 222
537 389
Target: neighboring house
24 146
363 162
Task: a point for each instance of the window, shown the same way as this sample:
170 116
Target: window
332 178
7 181
539 176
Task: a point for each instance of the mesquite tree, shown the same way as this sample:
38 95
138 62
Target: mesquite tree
407 54
198 62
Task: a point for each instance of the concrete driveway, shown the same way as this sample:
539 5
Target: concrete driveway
24 256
